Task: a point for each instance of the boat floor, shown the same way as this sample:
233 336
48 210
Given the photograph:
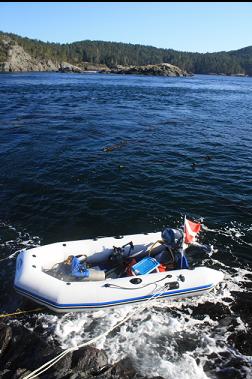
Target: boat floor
63 272
118 267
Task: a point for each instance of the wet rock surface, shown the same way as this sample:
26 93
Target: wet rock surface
226 320
90 360
241 340
122 369
5 338
214 311
224 366
243 306
23 351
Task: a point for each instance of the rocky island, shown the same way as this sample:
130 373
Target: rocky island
162 69
16 59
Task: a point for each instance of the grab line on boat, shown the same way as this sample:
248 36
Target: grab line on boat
112 285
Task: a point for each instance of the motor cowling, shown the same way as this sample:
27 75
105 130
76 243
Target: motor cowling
173 238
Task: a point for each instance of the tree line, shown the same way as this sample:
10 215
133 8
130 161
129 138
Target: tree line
115 53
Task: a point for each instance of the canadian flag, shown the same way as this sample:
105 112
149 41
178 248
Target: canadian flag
190 231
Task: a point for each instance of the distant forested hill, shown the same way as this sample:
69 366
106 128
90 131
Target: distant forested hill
114 53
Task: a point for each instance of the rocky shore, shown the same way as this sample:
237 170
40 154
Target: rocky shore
162 69
18 60
23 351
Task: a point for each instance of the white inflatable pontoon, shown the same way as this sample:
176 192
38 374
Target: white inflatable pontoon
42 276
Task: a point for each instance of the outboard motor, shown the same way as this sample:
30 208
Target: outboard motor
173 238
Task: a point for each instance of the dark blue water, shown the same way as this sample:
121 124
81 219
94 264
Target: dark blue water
86 155
57 181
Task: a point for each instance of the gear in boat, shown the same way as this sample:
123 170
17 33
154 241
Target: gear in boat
109 275
127 260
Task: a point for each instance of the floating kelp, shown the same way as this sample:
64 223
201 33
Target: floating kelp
115 146
208 157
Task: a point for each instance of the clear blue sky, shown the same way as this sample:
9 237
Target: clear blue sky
191 26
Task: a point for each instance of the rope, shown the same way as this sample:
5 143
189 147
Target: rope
10 256
53 361
154 244
111 285
20 312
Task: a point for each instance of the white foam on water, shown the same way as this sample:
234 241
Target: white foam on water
235 232
185 368
156 338
150 337
23 240
151 342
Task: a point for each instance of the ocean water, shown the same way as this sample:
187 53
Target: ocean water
87 155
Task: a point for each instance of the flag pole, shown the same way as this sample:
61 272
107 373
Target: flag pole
183 243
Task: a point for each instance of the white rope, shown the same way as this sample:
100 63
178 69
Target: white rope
53 361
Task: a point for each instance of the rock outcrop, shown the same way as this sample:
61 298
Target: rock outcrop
22 351
68 67
17 59
162 69
14 59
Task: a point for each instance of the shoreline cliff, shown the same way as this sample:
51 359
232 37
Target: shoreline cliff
18 60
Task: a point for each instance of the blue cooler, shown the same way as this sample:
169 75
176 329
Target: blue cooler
145 266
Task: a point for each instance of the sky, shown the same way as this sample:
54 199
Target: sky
201 27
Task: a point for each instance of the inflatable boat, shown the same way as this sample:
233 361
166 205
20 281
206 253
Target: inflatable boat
114 272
